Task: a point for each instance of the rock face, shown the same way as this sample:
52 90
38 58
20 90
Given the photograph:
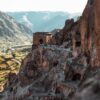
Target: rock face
90 89
62 70
48 72
90 31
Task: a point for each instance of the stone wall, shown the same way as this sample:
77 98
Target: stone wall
42 38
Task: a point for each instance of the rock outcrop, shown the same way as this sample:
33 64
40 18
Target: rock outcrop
48 72
65 70
90 89
90 31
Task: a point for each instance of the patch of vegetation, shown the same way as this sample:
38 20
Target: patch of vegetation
10 62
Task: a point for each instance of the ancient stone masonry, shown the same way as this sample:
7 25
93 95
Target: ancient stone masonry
42 38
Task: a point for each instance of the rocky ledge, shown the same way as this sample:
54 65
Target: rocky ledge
66 69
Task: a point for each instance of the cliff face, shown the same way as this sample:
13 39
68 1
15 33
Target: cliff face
90 31
59 70
90 89
48 72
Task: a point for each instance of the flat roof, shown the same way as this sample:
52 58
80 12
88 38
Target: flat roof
42 33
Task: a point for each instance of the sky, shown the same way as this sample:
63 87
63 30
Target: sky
71 6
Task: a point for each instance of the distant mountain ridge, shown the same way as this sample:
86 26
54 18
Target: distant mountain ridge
12 32
43 21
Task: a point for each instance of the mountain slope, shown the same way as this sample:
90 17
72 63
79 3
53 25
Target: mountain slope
43 21
12 32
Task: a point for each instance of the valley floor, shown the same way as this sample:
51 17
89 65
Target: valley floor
10 61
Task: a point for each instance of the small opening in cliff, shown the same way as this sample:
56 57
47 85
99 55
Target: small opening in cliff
91 2
78 33
78 39
11 89
55 63
57 90
76 77
78 43
41 41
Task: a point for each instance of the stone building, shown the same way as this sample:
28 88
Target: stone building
42 38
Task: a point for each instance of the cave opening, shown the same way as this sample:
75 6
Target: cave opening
55 63
57 91
78 33
78 43
78 39
76 77
91 2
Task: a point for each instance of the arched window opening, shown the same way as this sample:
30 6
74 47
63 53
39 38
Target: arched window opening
41 41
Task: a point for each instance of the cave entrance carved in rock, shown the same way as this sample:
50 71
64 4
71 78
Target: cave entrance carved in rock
78 43
76 77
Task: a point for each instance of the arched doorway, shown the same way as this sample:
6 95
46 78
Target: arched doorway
41 41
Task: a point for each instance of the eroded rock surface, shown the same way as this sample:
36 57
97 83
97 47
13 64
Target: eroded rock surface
48 72
90 31
67 69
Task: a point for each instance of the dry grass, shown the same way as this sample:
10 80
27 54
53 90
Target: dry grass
10 65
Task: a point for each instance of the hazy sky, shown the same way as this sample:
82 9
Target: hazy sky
71 6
